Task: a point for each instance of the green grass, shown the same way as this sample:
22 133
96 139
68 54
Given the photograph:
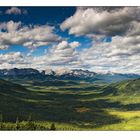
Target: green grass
80 106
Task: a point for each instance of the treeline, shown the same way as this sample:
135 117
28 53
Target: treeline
25 125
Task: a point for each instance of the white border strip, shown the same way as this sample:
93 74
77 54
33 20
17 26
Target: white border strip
71 135
70 3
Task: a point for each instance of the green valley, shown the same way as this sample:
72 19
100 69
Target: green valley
70 105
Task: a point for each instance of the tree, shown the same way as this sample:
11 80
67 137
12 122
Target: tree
17 124
30 118
53 127
1 118
30 124
1 121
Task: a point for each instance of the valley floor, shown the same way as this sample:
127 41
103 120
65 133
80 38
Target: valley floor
75 107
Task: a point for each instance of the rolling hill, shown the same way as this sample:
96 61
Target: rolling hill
7 86
82 106
13 100
128 87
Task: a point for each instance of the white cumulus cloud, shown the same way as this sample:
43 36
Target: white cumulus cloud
104 21
32 36
15 11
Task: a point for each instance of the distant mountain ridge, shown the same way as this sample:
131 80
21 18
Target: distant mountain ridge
16 72
75 74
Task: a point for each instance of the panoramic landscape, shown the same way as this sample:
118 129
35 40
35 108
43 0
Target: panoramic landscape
69 68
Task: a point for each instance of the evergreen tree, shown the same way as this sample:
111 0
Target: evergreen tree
17 124
53 127
30 118
1 121
30 124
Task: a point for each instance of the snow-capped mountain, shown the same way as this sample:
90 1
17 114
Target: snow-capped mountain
71 74
16 72
66 74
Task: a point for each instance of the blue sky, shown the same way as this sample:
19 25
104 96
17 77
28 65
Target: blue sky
99 39
52 16
38 16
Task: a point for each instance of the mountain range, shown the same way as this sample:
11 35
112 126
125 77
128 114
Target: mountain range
75 74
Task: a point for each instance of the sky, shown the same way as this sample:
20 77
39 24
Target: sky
99 39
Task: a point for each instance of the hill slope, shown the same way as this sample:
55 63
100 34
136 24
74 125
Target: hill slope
13 100
7 86
128 87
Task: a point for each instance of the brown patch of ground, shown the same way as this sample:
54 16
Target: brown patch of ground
82 109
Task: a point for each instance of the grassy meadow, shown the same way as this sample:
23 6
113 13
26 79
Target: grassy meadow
69 106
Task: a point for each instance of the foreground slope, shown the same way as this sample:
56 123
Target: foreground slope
12 100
